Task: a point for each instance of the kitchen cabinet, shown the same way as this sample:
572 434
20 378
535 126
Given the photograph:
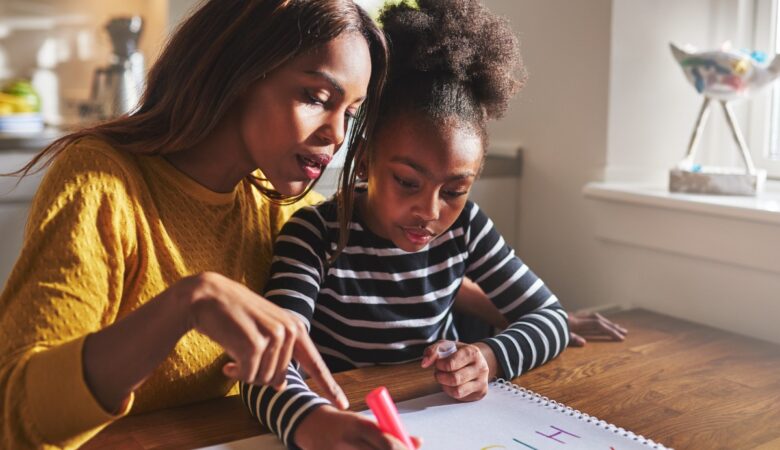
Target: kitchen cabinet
15 198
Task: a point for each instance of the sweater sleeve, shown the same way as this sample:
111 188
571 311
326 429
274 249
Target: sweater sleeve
66 284
296 272
538 329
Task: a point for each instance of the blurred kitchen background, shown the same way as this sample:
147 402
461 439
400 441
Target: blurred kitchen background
605 113
53 56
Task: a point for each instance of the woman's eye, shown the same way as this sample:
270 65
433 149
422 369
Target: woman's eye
404 183
313 99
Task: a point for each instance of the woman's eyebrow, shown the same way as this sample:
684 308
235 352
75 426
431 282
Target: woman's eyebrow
329 78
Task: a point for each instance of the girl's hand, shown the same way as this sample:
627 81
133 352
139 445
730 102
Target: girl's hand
463 375
593 325
259 337
327 428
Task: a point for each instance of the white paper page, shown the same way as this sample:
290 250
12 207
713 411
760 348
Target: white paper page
266 441
505 419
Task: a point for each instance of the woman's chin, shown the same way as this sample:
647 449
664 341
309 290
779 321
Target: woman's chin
291 189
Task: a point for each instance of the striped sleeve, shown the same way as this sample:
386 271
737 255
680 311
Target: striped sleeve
538 329
296 272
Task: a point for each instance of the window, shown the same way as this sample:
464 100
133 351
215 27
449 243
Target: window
751 25
763 131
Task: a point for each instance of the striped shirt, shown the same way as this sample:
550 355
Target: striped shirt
378 304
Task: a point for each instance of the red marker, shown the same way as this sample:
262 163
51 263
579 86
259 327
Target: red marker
387 415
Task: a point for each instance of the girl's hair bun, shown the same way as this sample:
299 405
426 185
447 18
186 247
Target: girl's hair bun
442 42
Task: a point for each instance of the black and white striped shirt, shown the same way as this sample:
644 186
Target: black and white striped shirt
378 304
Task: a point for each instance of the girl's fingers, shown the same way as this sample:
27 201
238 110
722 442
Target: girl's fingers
472 390
230 370
458 377
430 355
393 443
576 340
608 328
465 356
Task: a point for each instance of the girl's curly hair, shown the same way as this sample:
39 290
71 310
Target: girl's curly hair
450 59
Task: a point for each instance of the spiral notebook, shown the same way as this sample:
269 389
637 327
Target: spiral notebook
508 417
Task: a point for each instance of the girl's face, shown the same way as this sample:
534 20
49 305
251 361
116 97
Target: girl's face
419 180
293 120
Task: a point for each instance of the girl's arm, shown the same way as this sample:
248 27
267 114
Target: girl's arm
294 283
298 416
472 300
538 329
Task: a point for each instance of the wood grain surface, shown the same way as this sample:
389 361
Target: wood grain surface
685 385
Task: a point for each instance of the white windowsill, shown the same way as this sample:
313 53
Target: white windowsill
736 231
763 208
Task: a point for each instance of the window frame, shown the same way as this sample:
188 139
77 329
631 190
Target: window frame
763 114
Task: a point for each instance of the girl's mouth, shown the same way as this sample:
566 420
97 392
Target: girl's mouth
418 236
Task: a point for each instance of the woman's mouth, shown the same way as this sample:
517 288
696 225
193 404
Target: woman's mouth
313 165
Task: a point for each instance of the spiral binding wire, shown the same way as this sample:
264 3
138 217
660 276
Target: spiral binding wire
556 406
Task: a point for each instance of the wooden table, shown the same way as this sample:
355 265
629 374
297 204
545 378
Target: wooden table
685 385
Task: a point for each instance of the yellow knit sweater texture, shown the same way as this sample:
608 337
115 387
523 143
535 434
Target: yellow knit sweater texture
107 232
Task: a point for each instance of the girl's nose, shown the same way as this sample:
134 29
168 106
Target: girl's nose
427 208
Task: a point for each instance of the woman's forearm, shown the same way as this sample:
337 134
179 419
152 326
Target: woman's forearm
118 358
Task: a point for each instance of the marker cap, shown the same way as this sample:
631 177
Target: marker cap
446 349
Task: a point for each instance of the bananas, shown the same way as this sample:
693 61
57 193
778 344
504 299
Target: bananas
13 104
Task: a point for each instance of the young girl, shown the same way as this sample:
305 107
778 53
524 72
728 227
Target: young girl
149 234
386 296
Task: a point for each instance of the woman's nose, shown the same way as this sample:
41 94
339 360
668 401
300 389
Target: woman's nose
334 129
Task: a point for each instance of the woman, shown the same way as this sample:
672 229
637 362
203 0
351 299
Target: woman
149 234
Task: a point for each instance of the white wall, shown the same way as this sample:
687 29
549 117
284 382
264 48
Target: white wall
652 111
561 119
605 99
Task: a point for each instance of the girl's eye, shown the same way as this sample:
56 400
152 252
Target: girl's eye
404 183
454 194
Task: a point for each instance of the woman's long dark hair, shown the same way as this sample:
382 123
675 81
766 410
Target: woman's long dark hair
213 57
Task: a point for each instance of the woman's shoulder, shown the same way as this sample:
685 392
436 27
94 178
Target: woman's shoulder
93 154
91 164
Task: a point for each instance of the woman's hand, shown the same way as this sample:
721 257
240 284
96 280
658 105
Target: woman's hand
463 375
327 428
593 325
259 336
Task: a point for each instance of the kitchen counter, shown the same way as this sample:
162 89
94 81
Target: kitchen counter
28 143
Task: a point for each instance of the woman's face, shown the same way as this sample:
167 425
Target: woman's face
293 120
419 180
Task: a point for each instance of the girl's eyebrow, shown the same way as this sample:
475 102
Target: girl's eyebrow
425 172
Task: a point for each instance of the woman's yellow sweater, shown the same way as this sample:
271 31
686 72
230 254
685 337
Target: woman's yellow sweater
107 232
